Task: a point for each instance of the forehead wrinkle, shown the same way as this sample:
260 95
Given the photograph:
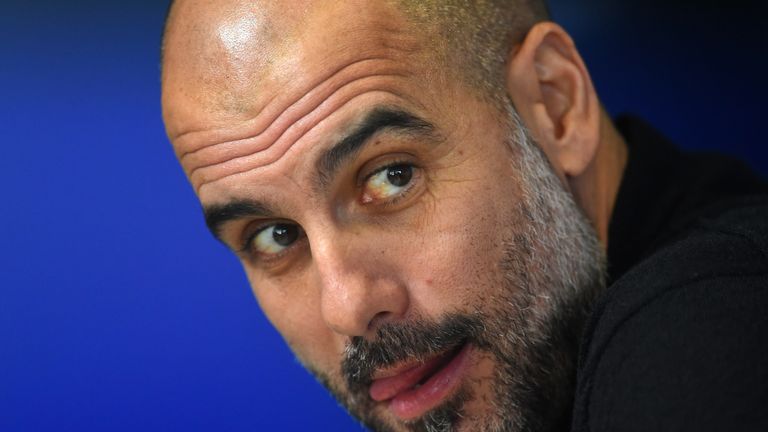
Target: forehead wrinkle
201 137
270 156
271 110
383 49
381 82
276 34
283 139
210 155
263 119
248 143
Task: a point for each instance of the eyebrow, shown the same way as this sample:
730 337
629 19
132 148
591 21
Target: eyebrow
378 120
217 215
327 165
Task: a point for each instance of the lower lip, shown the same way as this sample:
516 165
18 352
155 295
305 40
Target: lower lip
412 404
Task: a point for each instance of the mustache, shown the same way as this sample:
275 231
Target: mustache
397 342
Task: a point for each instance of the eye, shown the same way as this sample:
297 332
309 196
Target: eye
273 239
388 183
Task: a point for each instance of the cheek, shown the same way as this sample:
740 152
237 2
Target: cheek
290 308
459 250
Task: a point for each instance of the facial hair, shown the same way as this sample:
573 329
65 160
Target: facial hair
553 267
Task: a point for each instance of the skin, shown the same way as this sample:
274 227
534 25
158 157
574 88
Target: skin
252 99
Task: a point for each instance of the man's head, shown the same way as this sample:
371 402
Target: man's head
398 223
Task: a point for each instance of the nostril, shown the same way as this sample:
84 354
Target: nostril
379 319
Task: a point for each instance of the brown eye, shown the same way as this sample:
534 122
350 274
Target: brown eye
273 239
285 234
399 175
388 183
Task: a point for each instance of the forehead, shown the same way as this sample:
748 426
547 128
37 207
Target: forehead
244 83
234 60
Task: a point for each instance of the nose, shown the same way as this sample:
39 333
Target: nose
359 288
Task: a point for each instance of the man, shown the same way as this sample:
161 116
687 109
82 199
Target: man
422 194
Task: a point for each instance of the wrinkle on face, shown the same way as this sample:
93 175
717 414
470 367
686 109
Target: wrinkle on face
266 146
313 89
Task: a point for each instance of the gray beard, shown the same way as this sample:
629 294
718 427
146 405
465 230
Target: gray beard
554 267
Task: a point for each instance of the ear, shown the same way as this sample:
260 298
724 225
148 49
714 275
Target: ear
553 93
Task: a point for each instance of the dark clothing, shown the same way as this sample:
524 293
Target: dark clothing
679 340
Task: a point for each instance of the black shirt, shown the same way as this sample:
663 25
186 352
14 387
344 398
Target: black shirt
679 340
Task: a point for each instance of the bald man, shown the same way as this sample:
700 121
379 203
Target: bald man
438 216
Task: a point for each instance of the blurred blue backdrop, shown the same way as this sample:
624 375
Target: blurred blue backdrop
118 312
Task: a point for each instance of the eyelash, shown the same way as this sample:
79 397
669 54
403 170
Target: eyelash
247 246
391 164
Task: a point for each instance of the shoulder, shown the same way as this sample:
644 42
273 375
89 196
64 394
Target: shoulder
680 342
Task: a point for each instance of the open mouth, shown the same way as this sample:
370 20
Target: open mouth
415 390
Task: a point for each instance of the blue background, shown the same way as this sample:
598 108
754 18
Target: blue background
118 311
